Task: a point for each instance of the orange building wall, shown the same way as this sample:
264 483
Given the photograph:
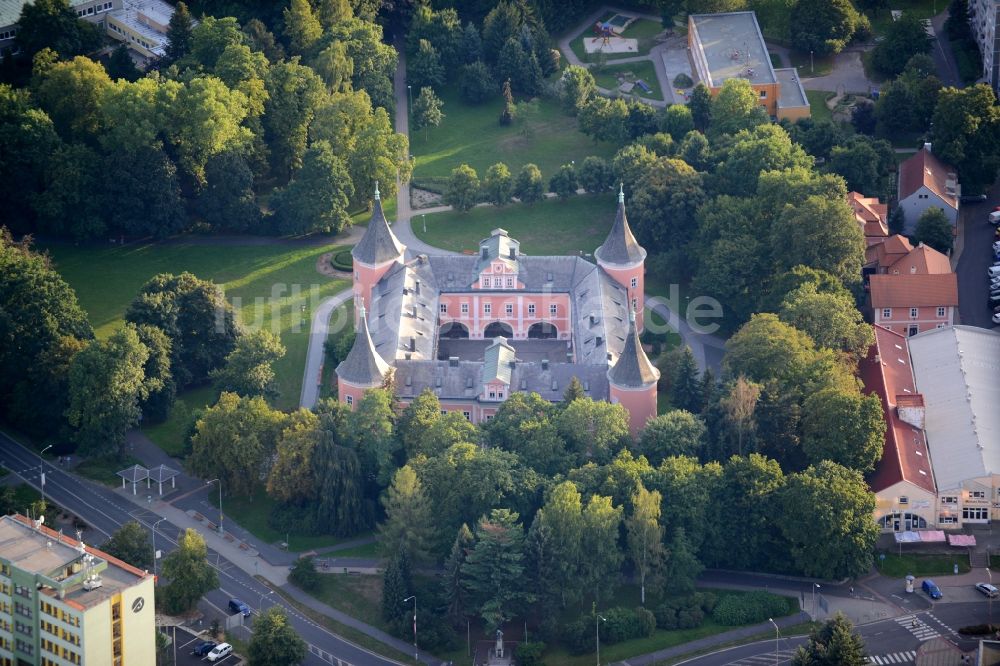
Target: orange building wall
624 277
365 278
519 320
640 403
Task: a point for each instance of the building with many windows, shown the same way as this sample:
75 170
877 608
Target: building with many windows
64 603
476 328
983 17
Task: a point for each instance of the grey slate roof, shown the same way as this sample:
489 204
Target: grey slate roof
498 246
600 307
379 244
499 361
404 307
633 369
363 365
620 247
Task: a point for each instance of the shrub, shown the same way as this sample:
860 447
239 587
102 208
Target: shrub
528 186
979 629
343 261
682 80
579 635
303 573
619 625
736 610
706 600
645 622
690 618
475 83
530 654
666 615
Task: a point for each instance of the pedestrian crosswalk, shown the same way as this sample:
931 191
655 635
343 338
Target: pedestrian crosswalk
917 627
778 657
894 658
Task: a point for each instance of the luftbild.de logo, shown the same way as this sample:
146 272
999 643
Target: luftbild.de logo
138 604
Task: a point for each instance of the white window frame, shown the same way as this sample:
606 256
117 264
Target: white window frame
349 400
465 308
443 308
635 283
487 308
941 312
531 308
553 310
886 313
508 308
913 313
510 282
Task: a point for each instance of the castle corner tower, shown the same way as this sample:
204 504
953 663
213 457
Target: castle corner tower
624 259
373 256
632 380
363 369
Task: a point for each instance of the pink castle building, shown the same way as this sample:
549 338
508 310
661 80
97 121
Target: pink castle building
475 329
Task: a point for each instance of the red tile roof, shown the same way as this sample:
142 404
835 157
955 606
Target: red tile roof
870 215
888 251
925 169
921 260
913 291
887 373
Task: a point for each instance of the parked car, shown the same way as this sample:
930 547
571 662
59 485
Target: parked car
203 648
220 651
995 218
987 589
237 606
932 590
973 198
996 317
993 271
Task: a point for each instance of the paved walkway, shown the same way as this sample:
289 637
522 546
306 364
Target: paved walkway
708 349
312 376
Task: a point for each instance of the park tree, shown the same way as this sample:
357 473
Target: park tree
576 87
831 319
54 24
683 566
374 59
902 39
397 585
133 114
472 43
179 33
752 484
605 119
189 573
736 107
630 164
564 182
416 419
427 110
556 547
291 478
574 391
965 133
160 387
599 570
685 390
28 139
524 425
294 93
739 406
595 174
674 433
520 66
409 519
106 387
493 571
259 38
834 643
528 187
332 12
210 37
476 83
645 538
235 440
821 233
195 316
302 28
130 543
247 369
371 430
844 427
502 23
275 642
865 164
205 120
677 120
335 67
694 150
424 67
836 537
318 197
227 202
455 595
593 429
701 107
761 149
935 230
509 111
498 186
664 203
146 193
70 93
462 191
67 205
660 143
823 26
341 507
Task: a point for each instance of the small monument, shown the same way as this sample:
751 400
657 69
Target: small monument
497 656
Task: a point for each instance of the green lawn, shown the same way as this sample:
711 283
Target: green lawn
921 565
541 134
272 285
170 434
817 104
364 550
606 77
818 66
922 8
252 515
642 30
550 227
105 470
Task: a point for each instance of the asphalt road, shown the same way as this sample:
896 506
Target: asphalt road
105 511
891 641
977 254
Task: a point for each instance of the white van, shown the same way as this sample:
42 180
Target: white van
220 651
993 271
995 218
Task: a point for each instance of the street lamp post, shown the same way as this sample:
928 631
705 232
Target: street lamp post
41 470
154 547
812 67
260 606
597 625
989 597
221 531
409 96
771 620
815 587
423 218
416 653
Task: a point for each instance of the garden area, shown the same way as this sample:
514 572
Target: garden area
471 134
644 31
918 564
271 285
612 76
549 227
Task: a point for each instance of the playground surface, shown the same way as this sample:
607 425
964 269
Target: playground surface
610 45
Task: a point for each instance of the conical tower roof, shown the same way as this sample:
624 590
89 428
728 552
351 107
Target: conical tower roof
379 244
620 247
633 369
363 365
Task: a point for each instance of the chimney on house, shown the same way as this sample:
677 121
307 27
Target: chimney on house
453 361
927 146
910 409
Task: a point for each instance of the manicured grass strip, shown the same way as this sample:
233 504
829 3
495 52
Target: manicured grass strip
817 66
105 470
170 434
921 565
541 134
606 78
550 227
801 629
817 104
366 550
344 631
272 285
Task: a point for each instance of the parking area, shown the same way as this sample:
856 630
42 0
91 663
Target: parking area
186 643
977 254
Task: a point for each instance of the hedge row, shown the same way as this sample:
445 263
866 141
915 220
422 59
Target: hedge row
620 624
750 608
